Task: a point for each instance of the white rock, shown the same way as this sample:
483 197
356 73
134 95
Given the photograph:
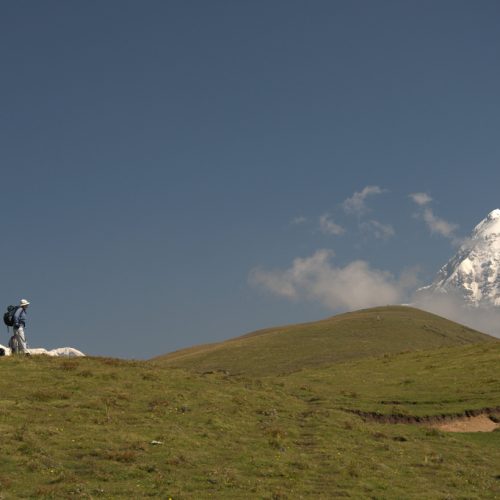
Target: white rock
60 351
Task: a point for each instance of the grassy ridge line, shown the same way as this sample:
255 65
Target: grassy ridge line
370 332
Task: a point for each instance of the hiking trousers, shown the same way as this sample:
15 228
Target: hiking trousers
19 340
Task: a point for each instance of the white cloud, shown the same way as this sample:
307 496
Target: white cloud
356 203
328 226
314 278
299 220
273 281
438 225
421 198
379 230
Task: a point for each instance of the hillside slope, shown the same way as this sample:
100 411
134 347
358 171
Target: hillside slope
105 428
369 332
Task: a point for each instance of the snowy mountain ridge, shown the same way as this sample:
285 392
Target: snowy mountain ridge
473 273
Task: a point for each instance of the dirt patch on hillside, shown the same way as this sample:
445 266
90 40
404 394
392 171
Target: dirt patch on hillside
481 423
480 420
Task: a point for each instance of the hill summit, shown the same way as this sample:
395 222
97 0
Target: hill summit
473 273
355 335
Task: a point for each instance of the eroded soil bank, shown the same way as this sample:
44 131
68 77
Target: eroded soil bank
481 420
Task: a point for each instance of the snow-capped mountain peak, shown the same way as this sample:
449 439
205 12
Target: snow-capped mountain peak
490 226
474 272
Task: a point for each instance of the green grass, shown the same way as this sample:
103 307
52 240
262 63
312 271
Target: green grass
84 428
444 381
370 332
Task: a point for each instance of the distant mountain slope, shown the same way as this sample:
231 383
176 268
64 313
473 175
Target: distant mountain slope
360 334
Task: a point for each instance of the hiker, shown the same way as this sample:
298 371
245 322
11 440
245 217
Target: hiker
18 339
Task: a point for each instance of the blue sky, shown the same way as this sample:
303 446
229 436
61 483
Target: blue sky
164 164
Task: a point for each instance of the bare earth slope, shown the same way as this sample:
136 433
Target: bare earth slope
360 334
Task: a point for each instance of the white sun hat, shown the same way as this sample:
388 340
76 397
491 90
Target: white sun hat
24 302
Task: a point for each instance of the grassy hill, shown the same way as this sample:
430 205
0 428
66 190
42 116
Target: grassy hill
370 332
106 428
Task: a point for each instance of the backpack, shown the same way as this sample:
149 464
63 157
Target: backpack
8 317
